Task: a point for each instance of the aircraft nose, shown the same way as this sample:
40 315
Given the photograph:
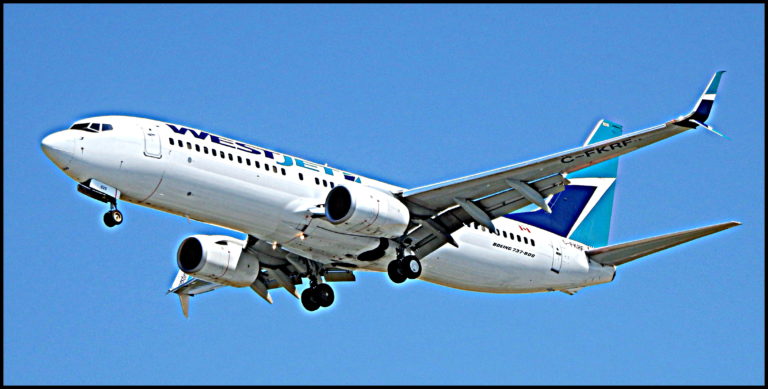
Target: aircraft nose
59 147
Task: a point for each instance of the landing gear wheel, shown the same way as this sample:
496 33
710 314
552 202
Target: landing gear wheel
113 218
324 295
411 267
395 273
108 220
308 300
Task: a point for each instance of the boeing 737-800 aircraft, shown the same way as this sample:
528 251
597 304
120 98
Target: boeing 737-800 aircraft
313 221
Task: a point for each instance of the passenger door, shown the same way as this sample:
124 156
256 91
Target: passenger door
152 143
557 257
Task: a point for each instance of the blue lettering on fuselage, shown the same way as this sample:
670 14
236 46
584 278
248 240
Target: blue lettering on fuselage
287 160
183 130
248 149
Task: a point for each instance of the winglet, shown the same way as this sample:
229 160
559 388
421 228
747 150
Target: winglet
184 299
703 107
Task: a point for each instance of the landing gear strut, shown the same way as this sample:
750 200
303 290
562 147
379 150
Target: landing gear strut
316 296
408 267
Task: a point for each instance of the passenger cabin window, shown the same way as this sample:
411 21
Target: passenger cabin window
239 159
301 177
248 162
171 140
189 145
197 148
533 243
213 151
205 149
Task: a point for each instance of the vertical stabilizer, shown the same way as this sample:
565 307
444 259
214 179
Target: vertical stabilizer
582 211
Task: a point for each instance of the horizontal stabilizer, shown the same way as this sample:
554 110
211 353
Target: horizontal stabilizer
620 254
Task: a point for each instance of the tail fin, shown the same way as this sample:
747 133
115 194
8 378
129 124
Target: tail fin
582 211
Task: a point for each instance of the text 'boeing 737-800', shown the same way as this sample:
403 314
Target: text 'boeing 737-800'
313 221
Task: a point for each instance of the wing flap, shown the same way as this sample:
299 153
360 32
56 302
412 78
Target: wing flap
425 241
620 254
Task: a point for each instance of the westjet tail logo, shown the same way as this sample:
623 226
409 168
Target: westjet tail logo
280 159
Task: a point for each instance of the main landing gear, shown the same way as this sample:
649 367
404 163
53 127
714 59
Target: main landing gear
408 267
316 296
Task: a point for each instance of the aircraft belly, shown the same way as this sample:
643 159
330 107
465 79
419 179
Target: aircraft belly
479 266
323 244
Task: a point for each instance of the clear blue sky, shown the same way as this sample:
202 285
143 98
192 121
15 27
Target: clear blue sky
410 94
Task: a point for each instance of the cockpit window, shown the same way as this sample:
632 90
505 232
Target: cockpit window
91 127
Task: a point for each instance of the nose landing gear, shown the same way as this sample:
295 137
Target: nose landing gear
106 194
113 217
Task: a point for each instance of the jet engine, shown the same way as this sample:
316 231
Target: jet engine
367 211
217 258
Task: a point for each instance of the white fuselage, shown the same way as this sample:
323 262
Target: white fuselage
270 195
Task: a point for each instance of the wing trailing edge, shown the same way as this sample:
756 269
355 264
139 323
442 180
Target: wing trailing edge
620 254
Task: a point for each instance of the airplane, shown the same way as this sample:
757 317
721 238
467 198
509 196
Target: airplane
535 226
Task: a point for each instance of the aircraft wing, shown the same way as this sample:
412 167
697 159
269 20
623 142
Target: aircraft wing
442 208
280 269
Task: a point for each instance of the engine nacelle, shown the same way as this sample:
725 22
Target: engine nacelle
217 258
367 211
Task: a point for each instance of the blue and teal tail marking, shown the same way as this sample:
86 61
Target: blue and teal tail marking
582 211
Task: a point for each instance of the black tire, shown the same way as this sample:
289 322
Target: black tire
395 274
324 295
411 267
308 300
108 220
